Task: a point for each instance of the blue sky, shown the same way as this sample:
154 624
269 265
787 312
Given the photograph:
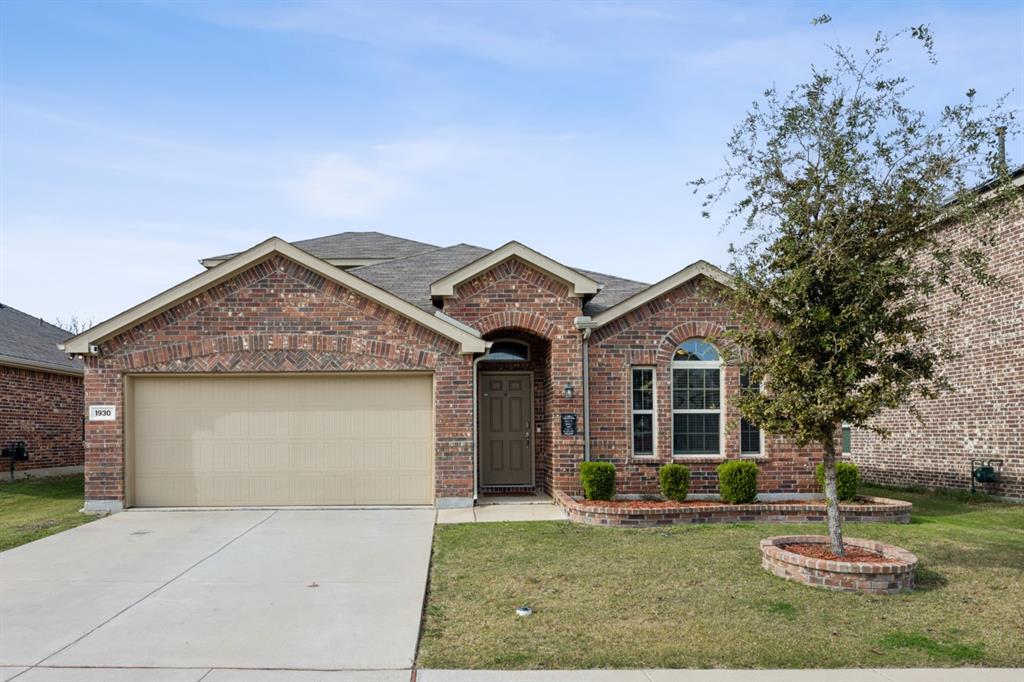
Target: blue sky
137 138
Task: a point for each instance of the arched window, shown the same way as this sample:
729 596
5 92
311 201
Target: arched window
508 350
696 399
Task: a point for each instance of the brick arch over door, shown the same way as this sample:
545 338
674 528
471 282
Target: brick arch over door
513 319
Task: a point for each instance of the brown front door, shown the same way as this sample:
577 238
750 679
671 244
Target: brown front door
506 439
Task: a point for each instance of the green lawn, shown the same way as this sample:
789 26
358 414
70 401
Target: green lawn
696 596
33 509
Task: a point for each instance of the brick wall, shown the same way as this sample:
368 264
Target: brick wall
514 296
279 317
649 336
983 417
45 411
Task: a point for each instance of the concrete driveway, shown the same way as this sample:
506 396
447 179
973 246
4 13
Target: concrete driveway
219 594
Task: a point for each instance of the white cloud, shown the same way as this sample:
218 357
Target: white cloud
338 185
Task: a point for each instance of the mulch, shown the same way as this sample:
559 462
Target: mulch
821 551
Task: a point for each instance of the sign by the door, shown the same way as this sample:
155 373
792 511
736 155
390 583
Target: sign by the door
102 413
569 424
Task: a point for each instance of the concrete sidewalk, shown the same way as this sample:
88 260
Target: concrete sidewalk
54 674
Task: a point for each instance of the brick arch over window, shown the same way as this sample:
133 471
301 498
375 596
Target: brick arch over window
512 319
691 330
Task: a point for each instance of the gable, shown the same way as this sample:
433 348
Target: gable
190 289
578 284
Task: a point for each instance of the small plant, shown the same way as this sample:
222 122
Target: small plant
598 479
674 480
737 481
847 480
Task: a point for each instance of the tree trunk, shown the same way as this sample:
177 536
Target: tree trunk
835 530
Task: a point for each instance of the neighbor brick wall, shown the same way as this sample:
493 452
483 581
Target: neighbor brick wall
515 296
44 410
648 336
279 317
983 417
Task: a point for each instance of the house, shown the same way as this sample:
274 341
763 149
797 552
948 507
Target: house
982 417
40 396
363 368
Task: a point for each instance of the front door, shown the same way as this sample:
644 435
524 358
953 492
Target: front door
506 421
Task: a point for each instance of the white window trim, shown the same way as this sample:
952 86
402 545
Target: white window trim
845 453
701 364
761 454
653 412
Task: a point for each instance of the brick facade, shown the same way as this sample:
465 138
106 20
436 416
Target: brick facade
515 297
648 336
44 409
983 416
279 317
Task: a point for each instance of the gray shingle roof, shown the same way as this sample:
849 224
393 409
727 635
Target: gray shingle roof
30 339
356 245
414 266
410 278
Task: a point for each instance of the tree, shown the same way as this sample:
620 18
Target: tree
73 325
844 192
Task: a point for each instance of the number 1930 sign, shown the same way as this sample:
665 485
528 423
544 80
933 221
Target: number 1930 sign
102 413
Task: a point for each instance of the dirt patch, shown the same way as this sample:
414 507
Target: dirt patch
821 551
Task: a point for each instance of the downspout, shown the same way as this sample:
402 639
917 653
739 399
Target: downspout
586 395
586 325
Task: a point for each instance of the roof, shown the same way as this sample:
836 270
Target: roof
350 246
431 272
28 341
468 341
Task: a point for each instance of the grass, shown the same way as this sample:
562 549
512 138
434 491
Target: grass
32 509
696 596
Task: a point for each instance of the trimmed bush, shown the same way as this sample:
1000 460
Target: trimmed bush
598 479
737 481
674 480
847 479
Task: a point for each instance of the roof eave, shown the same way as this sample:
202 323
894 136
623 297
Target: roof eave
40 365
657 289
580 284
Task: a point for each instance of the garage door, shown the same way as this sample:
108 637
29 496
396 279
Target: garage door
266 440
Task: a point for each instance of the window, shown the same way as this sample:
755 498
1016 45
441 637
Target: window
643 411
508 350
696 399
750 435
847 439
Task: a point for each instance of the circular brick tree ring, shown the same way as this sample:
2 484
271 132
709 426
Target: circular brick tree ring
892 577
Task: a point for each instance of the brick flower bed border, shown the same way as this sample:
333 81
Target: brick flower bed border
844 576
876 510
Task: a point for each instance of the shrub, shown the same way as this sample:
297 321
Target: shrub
598 479
847 479
674 480
737 481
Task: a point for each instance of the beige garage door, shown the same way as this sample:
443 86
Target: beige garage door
266 440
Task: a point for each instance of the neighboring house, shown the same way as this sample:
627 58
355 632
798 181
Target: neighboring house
362 368
40 396
982 418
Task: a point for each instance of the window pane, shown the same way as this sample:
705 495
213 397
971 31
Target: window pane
696 349
643 389
695 434
643 434
847 438
750 438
